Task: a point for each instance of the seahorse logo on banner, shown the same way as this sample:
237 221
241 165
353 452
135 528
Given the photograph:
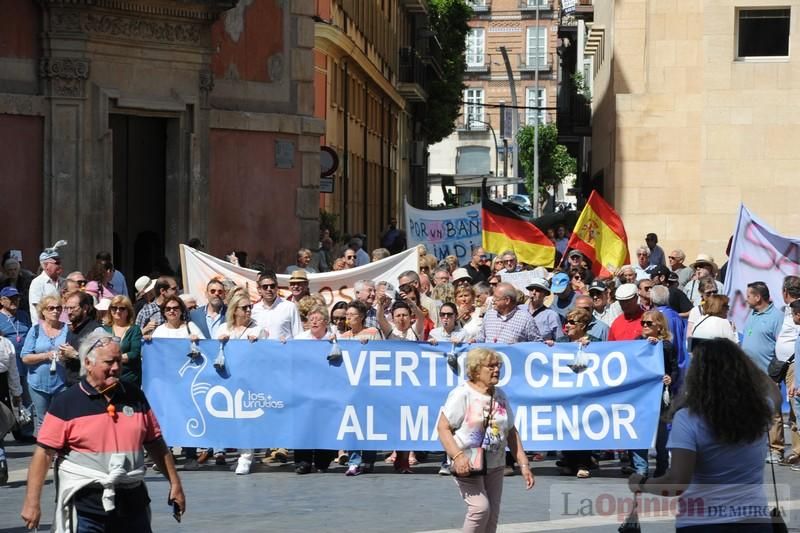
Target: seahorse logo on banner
219 402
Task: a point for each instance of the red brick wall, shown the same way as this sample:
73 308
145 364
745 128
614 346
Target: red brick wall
22 186
244 43
252 203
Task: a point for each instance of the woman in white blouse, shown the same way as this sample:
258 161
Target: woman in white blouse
715 323
176 325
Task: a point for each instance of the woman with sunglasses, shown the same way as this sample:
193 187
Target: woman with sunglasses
238 325
176 325
707 287
577 279
655 329
119 322
576 462
477 414
43 358
339 318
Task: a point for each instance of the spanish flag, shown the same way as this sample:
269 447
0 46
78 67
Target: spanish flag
505 230
600 235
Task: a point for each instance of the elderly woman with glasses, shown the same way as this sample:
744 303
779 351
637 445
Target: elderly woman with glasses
318 330
576 328
478 415
44 357
119 322
355 315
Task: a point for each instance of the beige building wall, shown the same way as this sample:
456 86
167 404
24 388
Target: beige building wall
683 132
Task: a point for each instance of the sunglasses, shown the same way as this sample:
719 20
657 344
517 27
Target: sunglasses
647 323
54 308
103 341
709 293
574 322
579 278
269 286
216 291
117 309
493 284
246 308
508 260
171 308
349 257
80 282
447 314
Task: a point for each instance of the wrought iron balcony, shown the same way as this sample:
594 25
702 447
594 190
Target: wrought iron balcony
412 76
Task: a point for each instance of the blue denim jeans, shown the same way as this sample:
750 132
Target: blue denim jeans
111 523
358 457
41 404
639 461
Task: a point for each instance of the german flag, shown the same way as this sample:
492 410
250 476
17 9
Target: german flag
505 230
600 235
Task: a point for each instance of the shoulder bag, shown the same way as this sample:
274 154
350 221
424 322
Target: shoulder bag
476 456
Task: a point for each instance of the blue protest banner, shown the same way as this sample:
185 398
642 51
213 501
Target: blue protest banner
386 394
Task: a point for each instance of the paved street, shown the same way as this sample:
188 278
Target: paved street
274 498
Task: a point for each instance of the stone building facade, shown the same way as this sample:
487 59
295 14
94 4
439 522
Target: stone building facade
134 125
694 111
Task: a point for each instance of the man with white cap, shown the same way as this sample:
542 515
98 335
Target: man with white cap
547 321
627 326
48 282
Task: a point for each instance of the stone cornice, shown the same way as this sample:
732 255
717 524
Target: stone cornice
200 10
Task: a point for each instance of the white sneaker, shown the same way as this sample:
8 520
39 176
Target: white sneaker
774 458
243 466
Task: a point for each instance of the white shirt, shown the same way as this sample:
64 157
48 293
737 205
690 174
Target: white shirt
609 314
41 286
784 346
308 336
165 332
8 364
254 330
457 335
714 327
281 319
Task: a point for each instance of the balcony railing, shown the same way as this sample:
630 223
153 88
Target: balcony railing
530 5
574 115
527 62
412 76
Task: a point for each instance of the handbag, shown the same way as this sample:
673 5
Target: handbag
776 518
777 369
476 456
631 523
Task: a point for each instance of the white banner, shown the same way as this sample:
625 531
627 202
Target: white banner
199 268
446 231
758 253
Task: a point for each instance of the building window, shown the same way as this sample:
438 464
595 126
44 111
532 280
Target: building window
763 32
477 3
532 100
473 160
475 47
536 46
473 108
541 3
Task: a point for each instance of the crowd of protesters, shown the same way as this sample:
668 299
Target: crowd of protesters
659 298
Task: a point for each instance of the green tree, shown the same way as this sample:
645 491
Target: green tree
555 163
448 20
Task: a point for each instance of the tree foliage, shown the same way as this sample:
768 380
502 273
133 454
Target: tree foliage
555 162
449 23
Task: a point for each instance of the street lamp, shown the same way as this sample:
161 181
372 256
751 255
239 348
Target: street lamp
470 120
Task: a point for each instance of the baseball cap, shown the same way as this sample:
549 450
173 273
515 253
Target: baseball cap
559 283
575 252
626 291
8 292
660 270
597 286
539 283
